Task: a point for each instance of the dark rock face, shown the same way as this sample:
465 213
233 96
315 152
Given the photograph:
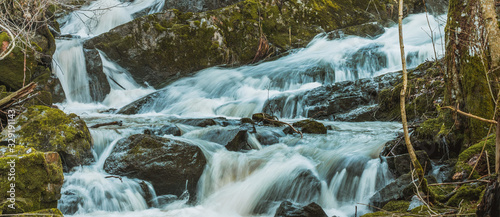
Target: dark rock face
98 83
288 209
166 163
396 190
400 164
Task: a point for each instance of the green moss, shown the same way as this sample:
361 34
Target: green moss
398 206
478 99
464 157
159 28
311 126
442 192
247 120
466 193
39 178
49 129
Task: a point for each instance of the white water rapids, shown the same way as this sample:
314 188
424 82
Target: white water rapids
337 170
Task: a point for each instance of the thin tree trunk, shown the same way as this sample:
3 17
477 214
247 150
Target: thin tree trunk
411 151
493 36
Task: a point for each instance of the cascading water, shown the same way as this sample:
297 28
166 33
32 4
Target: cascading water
243 91
97 18
336 170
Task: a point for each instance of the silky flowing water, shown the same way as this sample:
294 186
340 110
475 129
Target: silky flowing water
337 170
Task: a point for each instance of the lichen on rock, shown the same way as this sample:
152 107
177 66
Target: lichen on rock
50 129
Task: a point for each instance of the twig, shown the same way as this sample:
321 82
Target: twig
118 123
459 183
470 115
118 177
281 122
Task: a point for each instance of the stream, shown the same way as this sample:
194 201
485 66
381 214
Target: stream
337 170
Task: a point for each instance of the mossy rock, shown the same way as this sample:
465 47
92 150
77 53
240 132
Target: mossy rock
397 206
311 126
247 120
50 129
468 158
466 193
265 118
54 212
38 179
425 88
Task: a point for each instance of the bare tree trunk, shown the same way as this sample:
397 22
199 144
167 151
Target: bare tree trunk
411 151
493 36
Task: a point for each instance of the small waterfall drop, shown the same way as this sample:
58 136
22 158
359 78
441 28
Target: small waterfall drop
243 91
98 17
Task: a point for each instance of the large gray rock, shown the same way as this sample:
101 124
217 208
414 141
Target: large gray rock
396 190
166 163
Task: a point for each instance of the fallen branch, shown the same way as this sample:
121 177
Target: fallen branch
459 183
118 123
470 115
118 177
281 122
14 97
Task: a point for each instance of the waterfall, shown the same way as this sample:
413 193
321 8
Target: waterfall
337 170
243 91
98 17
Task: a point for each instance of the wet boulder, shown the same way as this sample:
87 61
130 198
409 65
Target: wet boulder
98 81
401 188
38 179
289 209
307 126
234 139
198 122
168 164
169 129
268 137
50 129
